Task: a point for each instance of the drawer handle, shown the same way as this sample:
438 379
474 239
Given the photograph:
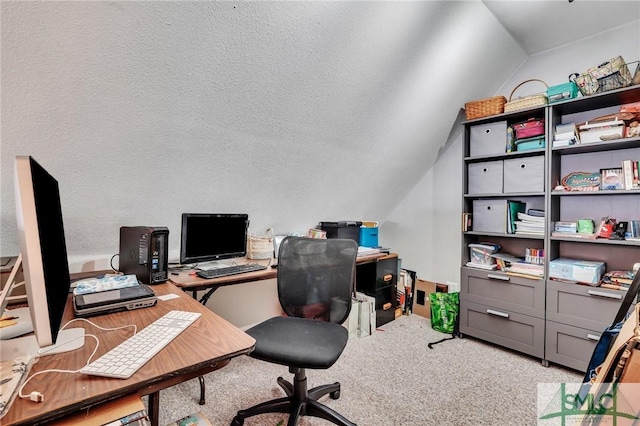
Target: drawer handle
485 170
498 313
387 277
487 131
522 166
603 294
498 277
386 306
593 337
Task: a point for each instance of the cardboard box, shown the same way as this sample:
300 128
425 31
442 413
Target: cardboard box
582 271
421 304
106 413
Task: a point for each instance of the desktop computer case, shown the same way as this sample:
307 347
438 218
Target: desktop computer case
144 251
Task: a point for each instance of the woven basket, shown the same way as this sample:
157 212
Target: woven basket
260 247
532 101
485 107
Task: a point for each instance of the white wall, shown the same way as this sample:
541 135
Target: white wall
425 226
293 112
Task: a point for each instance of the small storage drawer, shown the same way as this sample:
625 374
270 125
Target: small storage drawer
490 216
570 346
488 139
485 178
524 174
584 306
503 291
522 333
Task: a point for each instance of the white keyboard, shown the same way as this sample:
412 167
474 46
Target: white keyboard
126 358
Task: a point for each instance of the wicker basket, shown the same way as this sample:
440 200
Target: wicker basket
485 107
532 101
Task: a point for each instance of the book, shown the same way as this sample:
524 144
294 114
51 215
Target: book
105 283
627 171
195 419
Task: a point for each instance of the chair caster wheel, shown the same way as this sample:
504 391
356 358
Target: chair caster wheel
335 395
237 422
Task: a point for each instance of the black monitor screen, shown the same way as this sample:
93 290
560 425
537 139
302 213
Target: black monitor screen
214 236
43 247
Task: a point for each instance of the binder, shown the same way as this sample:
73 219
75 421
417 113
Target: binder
513 208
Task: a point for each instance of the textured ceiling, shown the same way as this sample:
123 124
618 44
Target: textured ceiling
542 25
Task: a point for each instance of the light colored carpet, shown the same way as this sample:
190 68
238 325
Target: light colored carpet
389 378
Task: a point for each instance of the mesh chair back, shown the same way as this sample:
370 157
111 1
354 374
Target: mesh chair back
316 277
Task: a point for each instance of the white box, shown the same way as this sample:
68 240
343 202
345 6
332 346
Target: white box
604 131
582 271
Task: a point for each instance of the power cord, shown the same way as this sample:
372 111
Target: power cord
111 262
36 396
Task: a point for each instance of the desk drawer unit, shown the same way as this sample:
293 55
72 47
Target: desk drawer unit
584 306
570 346
502 291
485 178
522 333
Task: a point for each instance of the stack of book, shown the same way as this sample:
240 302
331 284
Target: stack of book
619 280
529 224
565 135
516 266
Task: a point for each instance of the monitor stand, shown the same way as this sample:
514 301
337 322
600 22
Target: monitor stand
215 264
67 340
13 346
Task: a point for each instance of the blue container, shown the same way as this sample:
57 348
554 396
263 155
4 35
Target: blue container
369 237
562 92
537 142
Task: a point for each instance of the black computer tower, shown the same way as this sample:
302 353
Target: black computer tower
144 251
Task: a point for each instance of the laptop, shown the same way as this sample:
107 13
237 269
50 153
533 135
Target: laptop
106 302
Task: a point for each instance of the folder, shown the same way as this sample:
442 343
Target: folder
513 208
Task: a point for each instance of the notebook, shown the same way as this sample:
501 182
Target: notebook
105 302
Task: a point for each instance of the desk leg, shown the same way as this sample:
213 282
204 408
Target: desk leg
207 295
154 408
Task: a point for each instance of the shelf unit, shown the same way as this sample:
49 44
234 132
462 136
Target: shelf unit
551 320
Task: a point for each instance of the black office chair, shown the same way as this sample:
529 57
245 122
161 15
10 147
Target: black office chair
315 283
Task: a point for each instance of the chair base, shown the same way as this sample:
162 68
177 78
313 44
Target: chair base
298 402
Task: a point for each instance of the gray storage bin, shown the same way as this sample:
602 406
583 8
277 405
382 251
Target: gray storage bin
490 216
485 178
488 139
524 175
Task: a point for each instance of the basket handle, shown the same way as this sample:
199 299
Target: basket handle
526 81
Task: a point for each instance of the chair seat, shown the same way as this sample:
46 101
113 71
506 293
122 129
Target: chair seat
299 342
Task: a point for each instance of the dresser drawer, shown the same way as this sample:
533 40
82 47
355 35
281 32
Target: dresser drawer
570 346
502 291
519 332
584 306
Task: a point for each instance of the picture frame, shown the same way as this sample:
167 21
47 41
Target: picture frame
611 179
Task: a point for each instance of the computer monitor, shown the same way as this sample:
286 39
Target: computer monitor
43 253
213 236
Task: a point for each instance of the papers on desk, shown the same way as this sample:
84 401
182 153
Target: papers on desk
367 251
108 282
12 374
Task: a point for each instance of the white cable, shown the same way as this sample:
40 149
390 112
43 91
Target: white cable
37 395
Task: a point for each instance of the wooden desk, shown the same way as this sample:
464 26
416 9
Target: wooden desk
207 345
187 281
